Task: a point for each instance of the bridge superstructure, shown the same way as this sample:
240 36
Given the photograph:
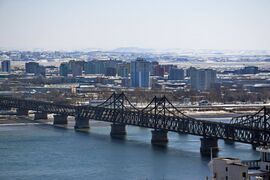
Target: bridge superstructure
160 115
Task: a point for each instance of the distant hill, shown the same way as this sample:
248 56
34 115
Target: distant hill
132 50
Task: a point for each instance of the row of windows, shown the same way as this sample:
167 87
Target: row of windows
266 157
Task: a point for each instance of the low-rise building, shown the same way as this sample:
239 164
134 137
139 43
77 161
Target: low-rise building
228 169
235 169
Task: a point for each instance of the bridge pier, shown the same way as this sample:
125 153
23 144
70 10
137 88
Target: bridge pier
207 144
22 112
256 138
254 146
59 119
159 137
118 130
40 115
81 123
229 131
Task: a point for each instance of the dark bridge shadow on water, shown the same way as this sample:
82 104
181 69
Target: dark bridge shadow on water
173 147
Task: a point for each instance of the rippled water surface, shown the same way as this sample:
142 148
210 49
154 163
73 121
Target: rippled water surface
45 152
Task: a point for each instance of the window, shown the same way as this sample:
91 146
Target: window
267 157
226 169
226 177
244 174
266 167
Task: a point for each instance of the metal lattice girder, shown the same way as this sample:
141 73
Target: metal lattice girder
37 106
158 114
261 119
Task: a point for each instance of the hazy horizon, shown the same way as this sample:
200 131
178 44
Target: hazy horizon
153 24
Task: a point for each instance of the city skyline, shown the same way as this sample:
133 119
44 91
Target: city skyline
125 89
70 25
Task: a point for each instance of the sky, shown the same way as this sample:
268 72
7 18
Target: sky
155 24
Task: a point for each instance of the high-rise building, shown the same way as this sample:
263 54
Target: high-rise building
76 67
123 69
158 70
95 67
111 63
89 67
153 65
101 66
189 70
5 66
140 73
35 68
167 67
31 67
202 79
41 71
63 69
176 74
110 71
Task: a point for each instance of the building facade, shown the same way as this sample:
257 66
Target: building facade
140 73
228 169
5 65
123 69
176 74
63 69
202 79
31 67
76 67
35 68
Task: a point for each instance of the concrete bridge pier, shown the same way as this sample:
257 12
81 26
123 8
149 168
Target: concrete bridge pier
254 146
22 112
207 144
255 137
229 131
159 137
59 119
40 115
118 130
81 123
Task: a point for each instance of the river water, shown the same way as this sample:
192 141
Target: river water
46 152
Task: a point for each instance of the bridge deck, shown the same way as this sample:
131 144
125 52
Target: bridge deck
157 115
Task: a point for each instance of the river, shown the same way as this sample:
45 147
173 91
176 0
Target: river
34 151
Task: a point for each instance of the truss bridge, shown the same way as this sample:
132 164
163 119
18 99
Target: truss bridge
160 115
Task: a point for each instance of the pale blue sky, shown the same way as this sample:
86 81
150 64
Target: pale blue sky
158 24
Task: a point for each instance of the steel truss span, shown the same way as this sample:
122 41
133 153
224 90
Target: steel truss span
159 114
